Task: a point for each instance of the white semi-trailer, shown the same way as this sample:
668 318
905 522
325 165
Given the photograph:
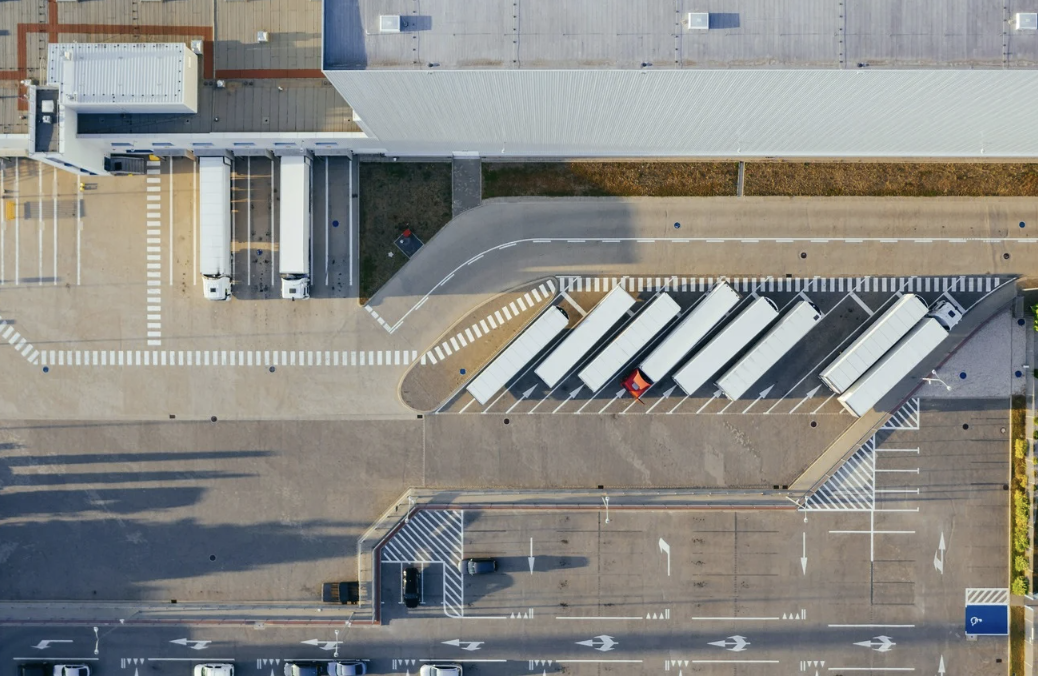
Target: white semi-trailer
779 340
685 336
898 363
649 322
214 226
295 255
723 347
874 343
580 340
521 352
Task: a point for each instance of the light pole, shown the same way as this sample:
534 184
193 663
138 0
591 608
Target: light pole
97 641
937 379
410 506
605 499
336 653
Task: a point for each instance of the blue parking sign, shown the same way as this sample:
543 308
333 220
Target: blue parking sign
987 620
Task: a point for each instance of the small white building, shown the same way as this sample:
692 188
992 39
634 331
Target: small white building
124 77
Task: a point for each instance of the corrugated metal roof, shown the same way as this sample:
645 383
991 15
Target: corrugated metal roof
700 113
874 343
517 355
124 77
895 365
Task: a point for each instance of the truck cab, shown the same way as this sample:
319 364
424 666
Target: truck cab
295 287
945 312
216 288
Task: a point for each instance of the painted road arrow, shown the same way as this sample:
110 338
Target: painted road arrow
802 401
736 644
717 394
938 558
762 395
665 549
803 557
323 645
881 644
666 395
526 395
43 645
619 393
604 643
940 667
530 558
464 645
194 645
572 396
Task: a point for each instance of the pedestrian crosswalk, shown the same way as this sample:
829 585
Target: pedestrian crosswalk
532 300
984 284
852 488
433 536
203 358
905 418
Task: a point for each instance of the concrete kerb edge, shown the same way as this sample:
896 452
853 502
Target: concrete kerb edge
451 329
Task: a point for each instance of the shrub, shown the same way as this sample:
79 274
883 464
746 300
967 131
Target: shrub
1019 586
1020 564
1020 448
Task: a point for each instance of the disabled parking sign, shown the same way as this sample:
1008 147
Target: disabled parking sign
987 612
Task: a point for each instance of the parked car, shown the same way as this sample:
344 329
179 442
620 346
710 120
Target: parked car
304 669
71 670
36 669
347 668
215 669
412 584
440 670
480 566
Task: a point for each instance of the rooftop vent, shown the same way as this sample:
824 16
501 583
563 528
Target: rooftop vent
262 36
389 23
196 46
698 21
1027 21
47 106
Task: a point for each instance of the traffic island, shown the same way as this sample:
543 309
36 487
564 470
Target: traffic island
471 343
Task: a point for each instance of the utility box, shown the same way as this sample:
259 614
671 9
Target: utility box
1027 21
389 23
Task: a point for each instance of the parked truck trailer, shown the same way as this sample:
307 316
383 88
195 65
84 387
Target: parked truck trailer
779 340
683 339
898 363
214 226
874 343
531 342
580 340
296 254
622 349
723 347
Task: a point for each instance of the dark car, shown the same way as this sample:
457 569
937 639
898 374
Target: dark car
304 669
479 566
412 584
36 669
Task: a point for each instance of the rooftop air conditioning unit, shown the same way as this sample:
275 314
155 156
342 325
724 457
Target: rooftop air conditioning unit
47 106
47 119
262 36
1027 21
698 21
389 23
196 46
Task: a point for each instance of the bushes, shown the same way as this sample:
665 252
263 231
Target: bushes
1021 514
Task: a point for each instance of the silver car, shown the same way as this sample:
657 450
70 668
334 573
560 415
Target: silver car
71 670
440 670
347 668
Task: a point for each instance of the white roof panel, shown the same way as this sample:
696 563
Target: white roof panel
517 355
214 209
793 326
625 346
874 343
893 367
723 347
692 329
295 223
589 331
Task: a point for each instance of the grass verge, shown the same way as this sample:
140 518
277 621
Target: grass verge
881 179
1019 521
393 197
609 179
1016 640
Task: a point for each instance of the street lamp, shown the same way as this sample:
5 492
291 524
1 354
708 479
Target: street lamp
336 653
605 499
97 641
937 379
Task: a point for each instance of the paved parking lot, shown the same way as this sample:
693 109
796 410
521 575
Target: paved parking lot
790 388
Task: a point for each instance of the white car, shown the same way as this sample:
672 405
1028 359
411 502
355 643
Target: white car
440 670
214 670
71 670
347 668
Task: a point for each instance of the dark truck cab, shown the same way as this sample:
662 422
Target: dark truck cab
36 669
346 593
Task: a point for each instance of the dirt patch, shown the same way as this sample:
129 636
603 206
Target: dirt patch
395 196
609 179
880 179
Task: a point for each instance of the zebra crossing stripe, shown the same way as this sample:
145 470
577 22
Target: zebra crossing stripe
852 488
905 418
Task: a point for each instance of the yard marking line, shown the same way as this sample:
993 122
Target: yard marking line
91 659
327 223
584 661
171 221
897 450
898 490
725 619
194 220
79 234
248 220
54 192
39 223
183 659
466 406
17 218
872 626
874 532
735 662
578 617
902 471
574 303
871 668
273 240
860 302
823 404
3 225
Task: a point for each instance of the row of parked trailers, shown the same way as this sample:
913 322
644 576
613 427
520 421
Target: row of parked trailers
862 374
215 208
